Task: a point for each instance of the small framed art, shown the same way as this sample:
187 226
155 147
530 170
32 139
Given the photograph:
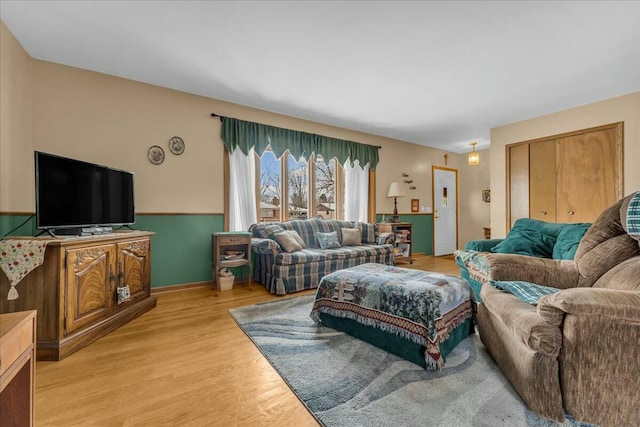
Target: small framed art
415 205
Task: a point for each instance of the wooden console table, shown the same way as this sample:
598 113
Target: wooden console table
75 290
17 368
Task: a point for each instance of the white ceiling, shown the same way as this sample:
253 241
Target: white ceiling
440 74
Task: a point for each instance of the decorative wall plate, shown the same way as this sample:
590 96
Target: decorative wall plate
156 154
176 145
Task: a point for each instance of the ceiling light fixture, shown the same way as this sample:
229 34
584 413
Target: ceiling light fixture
474 156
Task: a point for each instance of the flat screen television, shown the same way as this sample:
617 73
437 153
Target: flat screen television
72 195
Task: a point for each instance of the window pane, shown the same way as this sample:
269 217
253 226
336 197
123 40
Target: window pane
298 188
325 189
269 188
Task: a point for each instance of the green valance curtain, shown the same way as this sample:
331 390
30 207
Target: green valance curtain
244 135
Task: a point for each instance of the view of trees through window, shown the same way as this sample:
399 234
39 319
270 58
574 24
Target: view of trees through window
325 189
298 187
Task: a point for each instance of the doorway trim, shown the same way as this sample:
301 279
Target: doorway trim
433 202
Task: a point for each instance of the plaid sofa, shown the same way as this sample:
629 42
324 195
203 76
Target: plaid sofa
282 272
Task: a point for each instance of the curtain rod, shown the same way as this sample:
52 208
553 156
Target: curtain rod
214 115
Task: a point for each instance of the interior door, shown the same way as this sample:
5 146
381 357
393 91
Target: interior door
445 210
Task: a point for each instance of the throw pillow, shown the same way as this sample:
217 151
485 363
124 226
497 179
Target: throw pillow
568 241
351 236
328 240
287 240
526 242
266 231
525 291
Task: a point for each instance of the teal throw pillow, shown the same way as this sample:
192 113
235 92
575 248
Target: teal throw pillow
525 291
526 242
328 240
568 241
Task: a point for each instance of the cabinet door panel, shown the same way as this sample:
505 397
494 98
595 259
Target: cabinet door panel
89 286
134 268
586 180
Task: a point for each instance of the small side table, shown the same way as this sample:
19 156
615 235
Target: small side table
221 242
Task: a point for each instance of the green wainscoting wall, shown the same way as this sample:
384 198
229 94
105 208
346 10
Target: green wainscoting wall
180 249
422 230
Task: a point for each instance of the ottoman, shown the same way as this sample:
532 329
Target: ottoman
417 315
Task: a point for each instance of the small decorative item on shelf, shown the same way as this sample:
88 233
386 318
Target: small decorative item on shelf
156 154
176 145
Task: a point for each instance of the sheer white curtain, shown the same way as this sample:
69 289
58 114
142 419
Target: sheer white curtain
242 191
356 192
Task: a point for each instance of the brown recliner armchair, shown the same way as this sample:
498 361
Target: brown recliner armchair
578 350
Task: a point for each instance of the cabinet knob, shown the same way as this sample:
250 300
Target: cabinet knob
571 212
543 212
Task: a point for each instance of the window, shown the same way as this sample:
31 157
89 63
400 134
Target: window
269 198
311 189
325 188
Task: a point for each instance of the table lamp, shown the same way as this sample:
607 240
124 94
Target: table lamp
395 191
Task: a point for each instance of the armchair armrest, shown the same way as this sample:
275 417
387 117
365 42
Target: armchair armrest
481 245
554 273
599 361
611 303
264 246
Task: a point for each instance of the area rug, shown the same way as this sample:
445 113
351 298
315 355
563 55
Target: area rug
346 382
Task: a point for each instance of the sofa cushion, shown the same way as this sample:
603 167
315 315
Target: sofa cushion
368 232
526 242
630 215
524 291
568 241
347 252
301 257
328 240
289 240
351 236
523 321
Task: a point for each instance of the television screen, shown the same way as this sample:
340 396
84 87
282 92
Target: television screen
72 193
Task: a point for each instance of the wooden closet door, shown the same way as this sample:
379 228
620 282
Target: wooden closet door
542 181
586 175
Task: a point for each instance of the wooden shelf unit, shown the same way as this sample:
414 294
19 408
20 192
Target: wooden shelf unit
402 244
221 242
17 368
75 289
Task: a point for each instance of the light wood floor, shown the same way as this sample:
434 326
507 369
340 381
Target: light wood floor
184 363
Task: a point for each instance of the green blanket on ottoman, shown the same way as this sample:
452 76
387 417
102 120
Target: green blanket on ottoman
418 315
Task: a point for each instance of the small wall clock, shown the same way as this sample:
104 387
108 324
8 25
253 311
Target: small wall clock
176 145
155 154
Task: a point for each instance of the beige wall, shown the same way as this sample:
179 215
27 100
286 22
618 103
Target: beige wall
475 214
624 108
113 121
16 151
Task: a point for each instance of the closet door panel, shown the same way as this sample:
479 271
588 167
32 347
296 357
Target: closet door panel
586 176
542 181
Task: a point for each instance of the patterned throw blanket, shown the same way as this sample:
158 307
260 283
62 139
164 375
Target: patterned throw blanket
633 216
422 307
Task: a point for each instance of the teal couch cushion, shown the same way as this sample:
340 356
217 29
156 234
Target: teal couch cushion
525 291
568 240
526 242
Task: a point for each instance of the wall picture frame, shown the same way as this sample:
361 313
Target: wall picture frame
486 196
415 205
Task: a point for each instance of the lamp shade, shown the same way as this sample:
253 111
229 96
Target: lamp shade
474 156
395 190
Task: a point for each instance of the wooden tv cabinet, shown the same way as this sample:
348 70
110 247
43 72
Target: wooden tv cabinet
74 290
